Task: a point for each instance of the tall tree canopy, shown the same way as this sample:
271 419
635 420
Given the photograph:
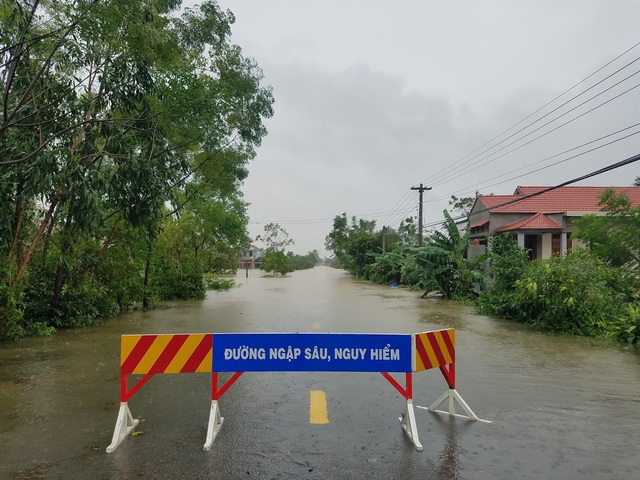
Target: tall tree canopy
117 117
276 238
615 237
353 244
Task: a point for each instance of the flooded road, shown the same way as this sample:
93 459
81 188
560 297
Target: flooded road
561 407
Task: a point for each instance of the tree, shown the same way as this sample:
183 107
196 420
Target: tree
462 205
614 236
354 245
336 241
276 261
110 112
276 238
315 256
408 231
443 258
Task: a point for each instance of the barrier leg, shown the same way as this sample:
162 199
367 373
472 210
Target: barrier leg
408 422
215 424
454 397
124 426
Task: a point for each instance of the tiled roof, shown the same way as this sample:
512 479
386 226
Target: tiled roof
563 199
479 224
539 221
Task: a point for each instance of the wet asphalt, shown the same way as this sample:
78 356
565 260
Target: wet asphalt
561 407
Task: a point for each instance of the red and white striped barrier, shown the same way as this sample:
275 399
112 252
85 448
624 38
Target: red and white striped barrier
148 355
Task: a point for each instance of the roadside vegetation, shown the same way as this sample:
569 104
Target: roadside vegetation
276 260
594 292
125 133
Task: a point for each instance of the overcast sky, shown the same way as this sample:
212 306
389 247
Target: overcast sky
375 97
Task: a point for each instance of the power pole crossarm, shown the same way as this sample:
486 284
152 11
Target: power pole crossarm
421 189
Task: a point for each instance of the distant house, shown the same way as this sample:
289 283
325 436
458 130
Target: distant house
251 257
543 223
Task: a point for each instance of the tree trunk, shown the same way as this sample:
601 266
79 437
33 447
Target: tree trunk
109 239
61 270
22 266
16 245
147 274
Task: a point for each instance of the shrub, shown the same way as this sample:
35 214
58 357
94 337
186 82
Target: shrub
577 294
506 263
386 269
213 283
627 327
11 314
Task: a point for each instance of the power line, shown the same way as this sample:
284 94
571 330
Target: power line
614 166
545 133
477 186
392 220
319 220
404 198
539 109
400 213
478 164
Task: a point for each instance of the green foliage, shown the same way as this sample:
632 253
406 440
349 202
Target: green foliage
276 261
120 266
440 265
182 287
577 294
12 324
386 269
84 298
408 233
613 237
354 244
336 241
212 282
462 205
303 262
627 328
176 272
275 237
506 263
395 267
112 112
444 263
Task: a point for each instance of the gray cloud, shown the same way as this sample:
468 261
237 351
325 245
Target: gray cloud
375 97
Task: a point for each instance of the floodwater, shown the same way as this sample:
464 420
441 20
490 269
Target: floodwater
561 407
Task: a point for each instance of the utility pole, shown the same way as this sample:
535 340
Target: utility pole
420 189
384 239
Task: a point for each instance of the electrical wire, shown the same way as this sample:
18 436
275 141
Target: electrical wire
392 220
614 166
478 164
436 175
608 168
477 186
545 133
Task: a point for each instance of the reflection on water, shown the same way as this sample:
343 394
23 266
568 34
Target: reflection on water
561 405
449 464
438 317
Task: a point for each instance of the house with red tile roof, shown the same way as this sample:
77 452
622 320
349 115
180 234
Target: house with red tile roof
541 218
251 257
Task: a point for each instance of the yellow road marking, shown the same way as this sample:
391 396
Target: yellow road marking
318 407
